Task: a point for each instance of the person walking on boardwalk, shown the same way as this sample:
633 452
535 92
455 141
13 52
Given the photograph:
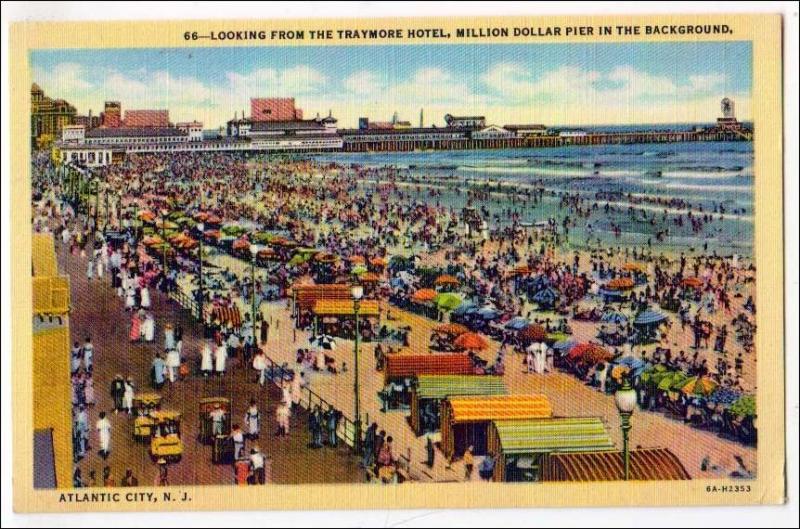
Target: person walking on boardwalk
206 359
157 370
103 427
217 419
252 420
282 414
332 424
257 464
129 480
260 365
370 438
118 392
128 396
220 358
237 436
88 355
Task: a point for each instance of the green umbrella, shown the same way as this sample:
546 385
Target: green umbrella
448 301
359 269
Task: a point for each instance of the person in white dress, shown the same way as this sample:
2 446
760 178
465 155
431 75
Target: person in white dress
173 364
145 292
286 392
206 359
130 296
220 358
260 365
127 398
282 414
298 383
252 420
149 328
103 427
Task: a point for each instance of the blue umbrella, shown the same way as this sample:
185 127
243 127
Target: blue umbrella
613 316
540 282
636 365
564 346
611 294
547 296
517 324
488 313
467 307
397 282
649 317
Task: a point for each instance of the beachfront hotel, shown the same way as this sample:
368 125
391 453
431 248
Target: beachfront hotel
277 125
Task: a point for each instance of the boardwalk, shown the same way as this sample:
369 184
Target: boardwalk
98 312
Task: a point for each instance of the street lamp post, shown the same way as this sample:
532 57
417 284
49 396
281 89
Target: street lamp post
625 399
358 292
201 296
164 242
253 253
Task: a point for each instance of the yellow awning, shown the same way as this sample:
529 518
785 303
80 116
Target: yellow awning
336 307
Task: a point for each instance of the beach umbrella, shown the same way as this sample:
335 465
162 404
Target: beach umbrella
692 282
546 296
357 259
554 337
635 365
649 317
471 341
424 294
359 269
521 270
634 267
396 282
745 406
466 307
322 342
620 283
673 380
146 216
611 295
488 313
446 279
564 346
369 277
533 333
699 386
378 261
724 396
325 257
448 300
613 316
451 329
580 350
517 323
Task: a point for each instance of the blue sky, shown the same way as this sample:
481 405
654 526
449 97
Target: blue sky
542 83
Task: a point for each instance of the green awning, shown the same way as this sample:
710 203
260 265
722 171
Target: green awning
573 434
442 386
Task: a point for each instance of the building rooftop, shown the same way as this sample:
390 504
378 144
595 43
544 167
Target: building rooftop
309 124
412 130
133 132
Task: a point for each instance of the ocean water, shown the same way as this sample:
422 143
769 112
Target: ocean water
714 176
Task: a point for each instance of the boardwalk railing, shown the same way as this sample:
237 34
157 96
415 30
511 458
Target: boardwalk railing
310 399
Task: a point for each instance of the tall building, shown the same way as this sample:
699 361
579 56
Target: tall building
48 117
274 109
146 118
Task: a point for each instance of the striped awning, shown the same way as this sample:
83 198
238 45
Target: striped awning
402 366
500 407
336 307
645 465
230 315
442 386
572 434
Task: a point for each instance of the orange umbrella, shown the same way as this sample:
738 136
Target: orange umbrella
522 270
377 261
452 329
152 240
369 277
356 259
424 294
633 267
620 283
446 280
693 282
471 341
147 216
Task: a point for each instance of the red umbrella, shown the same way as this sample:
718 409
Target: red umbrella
471 341
424 294
693 282
452 329
533 333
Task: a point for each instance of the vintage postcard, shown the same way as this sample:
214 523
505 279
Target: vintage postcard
383 263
